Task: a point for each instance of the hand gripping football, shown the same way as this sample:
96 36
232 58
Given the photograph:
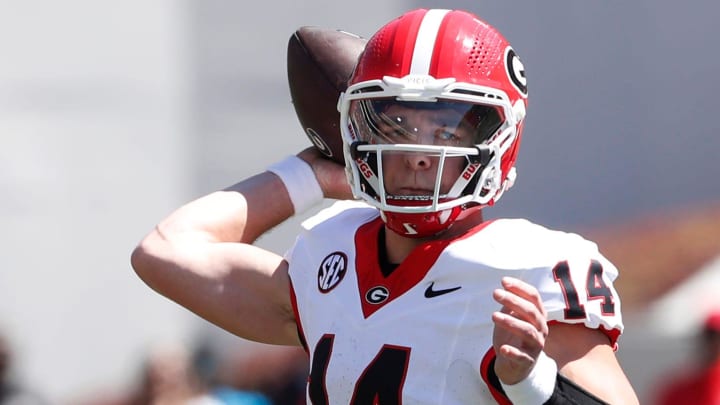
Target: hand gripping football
319 63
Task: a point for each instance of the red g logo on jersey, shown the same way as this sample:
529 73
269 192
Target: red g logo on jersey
331 271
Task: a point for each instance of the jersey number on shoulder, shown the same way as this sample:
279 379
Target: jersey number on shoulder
380 383
595 286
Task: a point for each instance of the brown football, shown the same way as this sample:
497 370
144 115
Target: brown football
319 63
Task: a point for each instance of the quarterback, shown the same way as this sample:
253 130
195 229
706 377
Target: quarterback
401 293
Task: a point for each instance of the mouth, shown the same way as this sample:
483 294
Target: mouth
413 192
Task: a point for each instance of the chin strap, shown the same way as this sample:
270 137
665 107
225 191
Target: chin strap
509 182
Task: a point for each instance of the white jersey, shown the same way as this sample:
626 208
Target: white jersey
423 335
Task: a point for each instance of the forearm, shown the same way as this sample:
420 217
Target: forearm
613 387
239 213
582 354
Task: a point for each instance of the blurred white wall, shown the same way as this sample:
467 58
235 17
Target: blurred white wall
94 129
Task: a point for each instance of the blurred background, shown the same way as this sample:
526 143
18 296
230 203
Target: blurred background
114 113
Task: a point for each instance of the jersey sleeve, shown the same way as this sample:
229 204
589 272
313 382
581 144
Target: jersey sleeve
325 222
577 286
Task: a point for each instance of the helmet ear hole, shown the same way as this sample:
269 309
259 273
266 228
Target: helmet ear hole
510 180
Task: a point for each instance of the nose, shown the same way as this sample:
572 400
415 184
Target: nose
418 161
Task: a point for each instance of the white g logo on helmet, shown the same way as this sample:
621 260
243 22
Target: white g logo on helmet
516 71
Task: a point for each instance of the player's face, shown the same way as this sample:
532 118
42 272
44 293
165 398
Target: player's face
414 173
440 127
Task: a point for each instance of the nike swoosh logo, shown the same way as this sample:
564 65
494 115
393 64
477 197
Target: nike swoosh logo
430 293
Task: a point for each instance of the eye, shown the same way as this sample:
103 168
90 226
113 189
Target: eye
390 129
447 137
395 127
393 133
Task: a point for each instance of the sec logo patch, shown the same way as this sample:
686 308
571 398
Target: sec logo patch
332 270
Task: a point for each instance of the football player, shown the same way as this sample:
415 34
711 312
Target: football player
699 381
402 292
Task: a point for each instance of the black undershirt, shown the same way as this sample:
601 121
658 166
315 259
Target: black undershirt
385 266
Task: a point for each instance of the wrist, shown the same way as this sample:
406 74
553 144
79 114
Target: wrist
537 387
300 182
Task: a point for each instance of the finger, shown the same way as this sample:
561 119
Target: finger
524 290
529 338
522 309
517 357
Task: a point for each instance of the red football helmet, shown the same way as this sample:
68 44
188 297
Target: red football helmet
444 87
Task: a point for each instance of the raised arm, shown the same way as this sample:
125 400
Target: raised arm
202 257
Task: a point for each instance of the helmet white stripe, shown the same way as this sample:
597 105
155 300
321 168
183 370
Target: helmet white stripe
425 41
